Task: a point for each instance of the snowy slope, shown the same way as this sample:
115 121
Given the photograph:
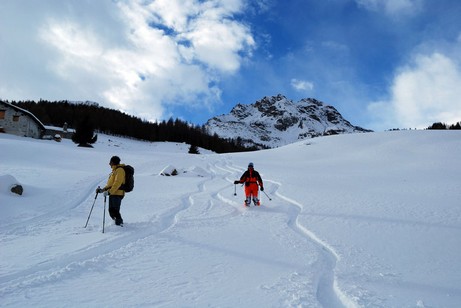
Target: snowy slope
359 220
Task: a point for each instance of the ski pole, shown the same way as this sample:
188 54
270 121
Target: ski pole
104 215
235 189
92 208
267 195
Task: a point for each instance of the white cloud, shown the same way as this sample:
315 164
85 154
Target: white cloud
392 7
427 91
302 85
131 55
206 31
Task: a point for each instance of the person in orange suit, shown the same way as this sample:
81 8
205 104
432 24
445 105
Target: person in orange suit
252 181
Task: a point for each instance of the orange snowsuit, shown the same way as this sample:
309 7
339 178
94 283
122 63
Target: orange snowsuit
252 180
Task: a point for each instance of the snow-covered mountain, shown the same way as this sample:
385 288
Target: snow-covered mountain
276 120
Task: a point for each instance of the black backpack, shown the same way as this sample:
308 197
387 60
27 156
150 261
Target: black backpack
129 178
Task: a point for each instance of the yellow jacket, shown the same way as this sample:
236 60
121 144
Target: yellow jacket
116 179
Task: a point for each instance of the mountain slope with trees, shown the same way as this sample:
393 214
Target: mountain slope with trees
115 122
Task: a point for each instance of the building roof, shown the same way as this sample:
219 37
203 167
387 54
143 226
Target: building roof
31 115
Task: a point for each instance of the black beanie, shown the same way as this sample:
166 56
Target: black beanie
115 160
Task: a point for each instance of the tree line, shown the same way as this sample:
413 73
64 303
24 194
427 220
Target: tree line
440 125
117 123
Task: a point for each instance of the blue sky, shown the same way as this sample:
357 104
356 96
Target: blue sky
382 63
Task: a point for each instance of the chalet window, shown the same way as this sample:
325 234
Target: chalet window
15 118
2 114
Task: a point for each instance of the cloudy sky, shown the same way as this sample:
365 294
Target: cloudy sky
382 63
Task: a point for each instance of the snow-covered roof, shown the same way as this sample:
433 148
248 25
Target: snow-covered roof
28 113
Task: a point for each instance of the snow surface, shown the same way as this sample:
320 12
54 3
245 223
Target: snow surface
360 220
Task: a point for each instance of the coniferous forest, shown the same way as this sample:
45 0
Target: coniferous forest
117 123
440 125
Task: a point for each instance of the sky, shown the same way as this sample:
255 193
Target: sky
382 63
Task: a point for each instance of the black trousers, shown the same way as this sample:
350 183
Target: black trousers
114 209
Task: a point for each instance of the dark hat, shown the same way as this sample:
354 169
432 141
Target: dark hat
250 165
115 160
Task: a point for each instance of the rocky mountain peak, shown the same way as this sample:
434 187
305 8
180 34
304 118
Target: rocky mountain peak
276 120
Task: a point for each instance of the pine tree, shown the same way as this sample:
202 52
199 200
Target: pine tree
84 134
193 149
438 125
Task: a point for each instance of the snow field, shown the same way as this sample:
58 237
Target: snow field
355 221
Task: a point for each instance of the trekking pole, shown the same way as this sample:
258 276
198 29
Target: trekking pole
267 196
92 208
104 215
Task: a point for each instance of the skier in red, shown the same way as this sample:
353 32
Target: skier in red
252 179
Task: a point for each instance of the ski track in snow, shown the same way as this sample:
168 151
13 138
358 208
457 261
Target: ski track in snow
111 247
328 294
118 243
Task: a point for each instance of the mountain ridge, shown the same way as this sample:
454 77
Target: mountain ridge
276 120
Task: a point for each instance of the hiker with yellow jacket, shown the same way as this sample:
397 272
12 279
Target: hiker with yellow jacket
113 189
